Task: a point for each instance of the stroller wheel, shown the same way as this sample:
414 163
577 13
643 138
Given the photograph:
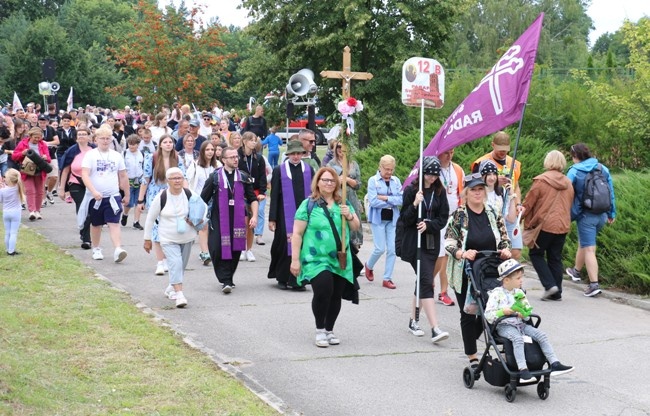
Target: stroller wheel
542 391
468 377
511 393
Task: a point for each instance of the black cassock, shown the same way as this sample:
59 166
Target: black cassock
223 269
280 257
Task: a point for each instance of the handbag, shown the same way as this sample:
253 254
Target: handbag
529 236
28 167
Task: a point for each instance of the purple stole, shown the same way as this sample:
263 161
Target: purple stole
288 198
238 201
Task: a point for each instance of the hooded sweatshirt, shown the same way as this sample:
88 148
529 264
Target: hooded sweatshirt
577 175
549 201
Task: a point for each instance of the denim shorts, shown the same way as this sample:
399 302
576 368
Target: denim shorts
588 227
134 194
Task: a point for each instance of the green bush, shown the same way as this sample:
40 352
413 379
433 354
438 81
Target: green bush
623 248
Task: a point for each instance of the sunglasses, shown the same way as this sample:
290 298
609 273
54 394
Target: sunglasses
472 176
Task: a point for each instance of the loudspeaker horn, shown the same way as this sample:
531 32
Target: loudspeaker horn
301 83
55 87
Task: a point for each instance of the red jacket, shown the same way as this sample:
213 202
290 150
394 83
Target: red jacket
23 145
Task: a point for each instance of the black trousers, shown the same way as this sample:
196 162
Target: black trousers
428 260
547 259
471 326
225 270
77 193
326 303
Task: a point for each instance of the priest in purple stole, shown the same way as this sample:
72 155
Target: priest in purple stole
293 179
228 190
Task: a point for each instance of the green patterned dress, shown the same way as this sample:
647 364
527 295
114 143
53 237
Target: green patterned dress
318 251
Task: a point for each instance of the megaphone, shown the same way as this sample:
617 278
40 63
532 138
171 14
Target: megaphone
302 82
55 87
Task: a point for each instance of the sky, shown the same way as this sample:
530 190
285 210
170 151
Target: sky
608 15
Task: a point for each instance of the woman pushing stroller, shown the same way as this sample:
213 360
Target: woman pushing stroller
502 303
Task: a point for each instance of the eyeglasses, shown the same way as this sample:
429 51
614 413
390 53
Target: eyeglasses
231 157
175 179
328 181
310 141
207 118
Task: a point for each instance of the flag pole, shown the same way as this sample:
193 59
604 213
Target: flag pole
420 175
514 159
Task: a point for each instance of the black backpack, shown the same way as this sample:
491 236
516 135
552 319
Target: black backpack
596 196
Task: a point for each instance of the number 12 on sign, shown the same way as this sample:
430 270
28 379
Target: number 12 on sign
423 79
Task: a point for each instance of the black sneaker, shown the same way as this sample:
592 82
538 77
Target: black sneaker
137 226
525 376
50 198
557 368
55 192
124 220
86 245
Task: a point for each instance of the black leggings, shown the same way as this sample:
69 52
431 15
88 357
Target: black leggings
471 326
326 303
77 193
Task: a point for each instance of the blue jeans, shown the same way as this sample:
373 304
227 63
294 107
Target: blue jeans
259 230
177 256
273 159
383 236
3 168
588 227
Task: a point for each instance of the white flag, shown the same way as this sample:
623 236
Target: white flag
16 105
70 102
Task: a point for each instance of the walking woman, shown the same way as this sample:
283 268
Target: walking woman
175 234
589 222
197 175
385 197
154 181
34 185
475 226
435 213
313 251
71 175
549 203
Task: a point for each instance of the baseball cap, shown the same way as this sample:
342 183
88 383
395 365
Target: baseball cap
508 267
42 117
475 179
195 123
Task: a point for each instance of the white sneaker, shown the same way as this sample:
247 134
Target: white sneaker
242 256
38 215
119 255
165 268
160 269
332 339
97 254
321 338
181 302
249 256
169 292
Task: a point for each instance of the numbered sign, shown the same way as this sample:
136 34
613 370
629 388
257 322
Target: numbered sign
423 79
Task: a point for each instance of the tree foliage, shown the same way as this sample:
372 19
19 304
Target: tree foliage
169 57
382 34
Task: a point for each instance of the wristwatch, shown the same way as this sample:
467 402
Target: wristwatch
140 201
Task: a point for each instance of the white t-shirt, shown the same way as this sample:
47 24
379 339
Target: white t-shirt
133 162
147 147
157 132
104 168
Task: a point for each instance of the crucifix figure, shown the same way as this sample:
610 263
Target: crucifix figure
346 75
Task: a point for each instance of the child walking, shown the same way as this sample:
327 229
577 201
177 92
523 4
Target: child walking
134 161
514 328
12 195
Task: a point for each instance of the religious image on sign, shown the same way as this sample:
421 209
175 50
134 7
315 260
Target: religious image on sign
423 79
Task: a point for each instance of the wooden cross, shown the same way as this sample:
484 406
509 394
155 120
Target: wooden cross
346 75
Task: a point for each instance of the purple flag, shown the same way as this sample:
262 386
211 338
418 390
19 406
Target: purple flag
496 102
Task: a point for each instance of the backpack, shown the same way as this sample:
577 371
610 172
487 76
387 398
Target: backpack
196 210
596 196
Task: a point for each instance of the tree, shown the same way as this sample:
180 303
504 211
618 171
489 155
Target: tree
382 34
169 57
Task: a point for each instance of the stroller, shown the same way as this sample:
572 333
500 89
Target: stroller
502 370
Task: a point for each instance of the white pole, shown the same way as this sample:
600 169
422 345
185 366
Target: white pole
419 237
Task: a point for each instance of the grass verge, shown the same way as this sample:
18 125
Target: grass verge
70 344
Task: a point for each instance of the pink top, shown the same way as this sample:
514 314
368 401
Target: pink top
75 167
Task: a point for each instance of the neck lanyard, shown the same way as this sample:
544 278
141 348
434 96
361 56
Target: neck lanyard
249 165
428 206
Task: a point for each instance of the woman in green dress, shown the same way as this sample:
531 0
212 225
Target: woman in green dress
314 249
354 183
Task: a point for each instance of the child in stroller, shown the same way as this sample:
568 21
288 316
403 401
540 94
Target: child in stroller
513 326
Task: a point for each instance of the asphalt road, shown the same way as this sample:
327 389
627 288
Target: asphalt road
265 337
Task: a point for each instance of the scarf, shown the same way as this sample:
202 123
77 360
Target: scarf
238 203
289 199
